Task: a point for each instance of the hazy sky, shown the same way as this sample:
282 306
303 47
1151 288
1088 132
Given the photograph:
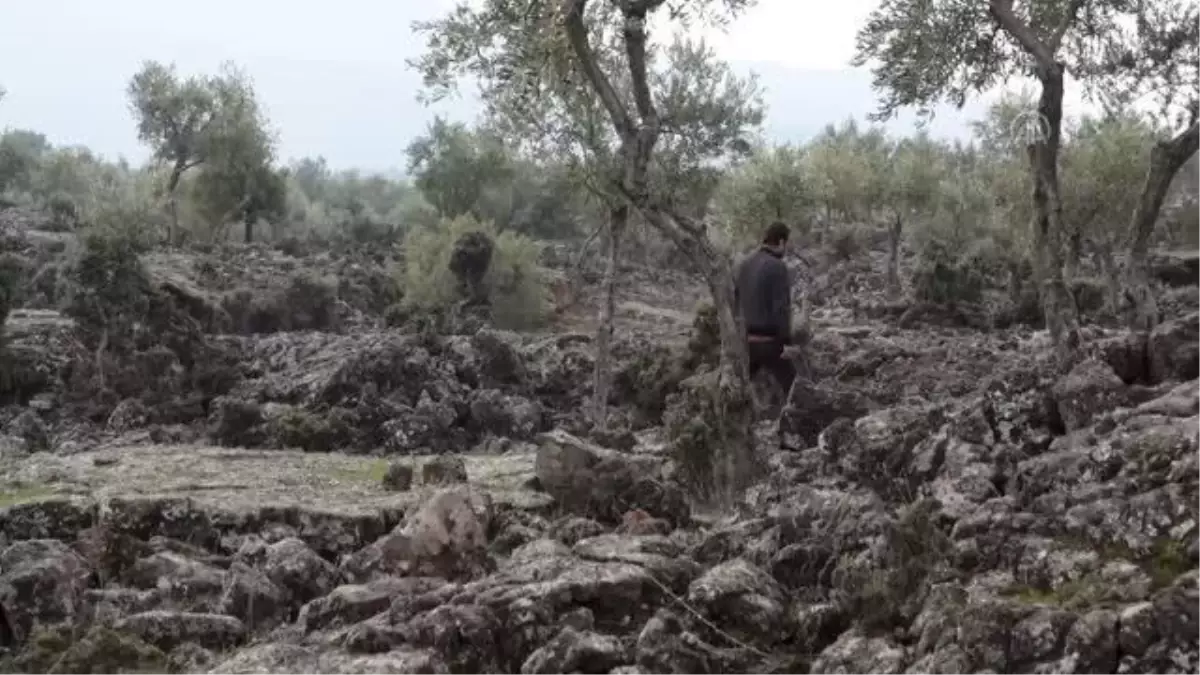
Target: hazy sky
332 76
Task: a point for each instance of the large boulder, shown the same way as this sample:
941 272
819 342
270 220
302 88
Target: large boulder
595 482
1173 349
42 582
447 537
1089 389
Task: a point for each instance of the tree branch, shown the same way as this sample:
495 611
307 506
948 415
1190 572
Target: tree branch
1002 12
1183 146
635 50
577 35
1068 20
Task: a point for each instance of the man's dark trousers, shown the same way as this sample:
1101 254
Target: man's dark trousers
767 352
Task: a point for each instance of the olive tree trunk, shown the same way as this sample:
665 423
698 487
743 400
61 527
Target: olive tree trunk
1166 159
618 220
638 128
1057 303
893 260
1048 233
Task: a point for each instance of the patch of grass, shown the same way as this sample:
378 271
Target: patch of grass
362 472
11 495
1164 562
101 650
1167 560
1031 595
1075 594
893 589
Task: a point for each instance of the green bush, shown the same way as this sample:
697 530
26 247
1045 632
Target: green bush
305 303
516 282
63 211
106 290
140 223
8 291
943 277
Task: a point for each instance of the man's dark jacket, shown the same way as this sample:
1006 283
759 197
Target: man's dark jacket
764 294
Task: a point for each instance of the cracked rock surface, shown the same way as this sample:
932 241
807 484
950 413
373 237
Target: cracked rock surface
359 499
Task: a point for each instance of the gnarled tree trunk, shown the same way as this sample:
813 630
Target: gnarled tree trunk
173 200
618 219
893 259
1166 159
1073 251
1057 303
638 130
738 465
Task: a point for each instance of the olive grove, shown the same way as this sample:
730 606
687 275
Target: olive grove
979 46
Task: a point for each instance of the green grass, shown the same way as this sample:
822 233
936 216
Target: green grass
1167 560
11 495
362 472
1074 594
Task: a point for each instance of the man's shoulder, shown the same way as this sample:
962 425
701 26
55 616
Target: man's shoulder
774 263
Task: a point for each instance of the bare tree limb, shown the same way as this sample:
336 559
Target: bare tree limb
577 35
1068 20
1002 12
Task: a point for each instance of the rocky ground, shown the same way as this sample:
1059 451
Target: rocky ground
280 482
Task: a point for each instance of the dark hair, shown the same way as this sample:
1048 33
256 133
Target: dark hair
776 234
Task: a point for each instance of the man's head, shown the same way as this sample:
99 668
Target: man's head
776 236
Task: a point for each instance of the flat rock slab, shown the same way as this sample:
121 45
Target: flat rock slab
232 479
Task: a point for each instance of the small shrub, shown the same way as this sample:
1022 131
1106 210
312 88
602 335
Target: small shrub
129 213
648 379
12 267
107 291
368 288
311 432
515 282
306 303
64 212
312 303
890 590
705 426
100 650
945 278
846 243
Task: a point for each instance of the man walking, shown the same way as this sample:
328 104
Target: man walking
764 295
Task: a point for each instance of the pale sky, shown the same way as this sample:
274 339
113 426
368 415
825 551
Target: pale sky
332 76
796 33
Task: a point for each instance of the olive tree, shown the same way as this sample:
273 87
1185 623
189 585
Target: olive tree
850 163
1103 187
914 171
238 180
20 153
454 167
184 120
775 183
1155 59
583 80
926 51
